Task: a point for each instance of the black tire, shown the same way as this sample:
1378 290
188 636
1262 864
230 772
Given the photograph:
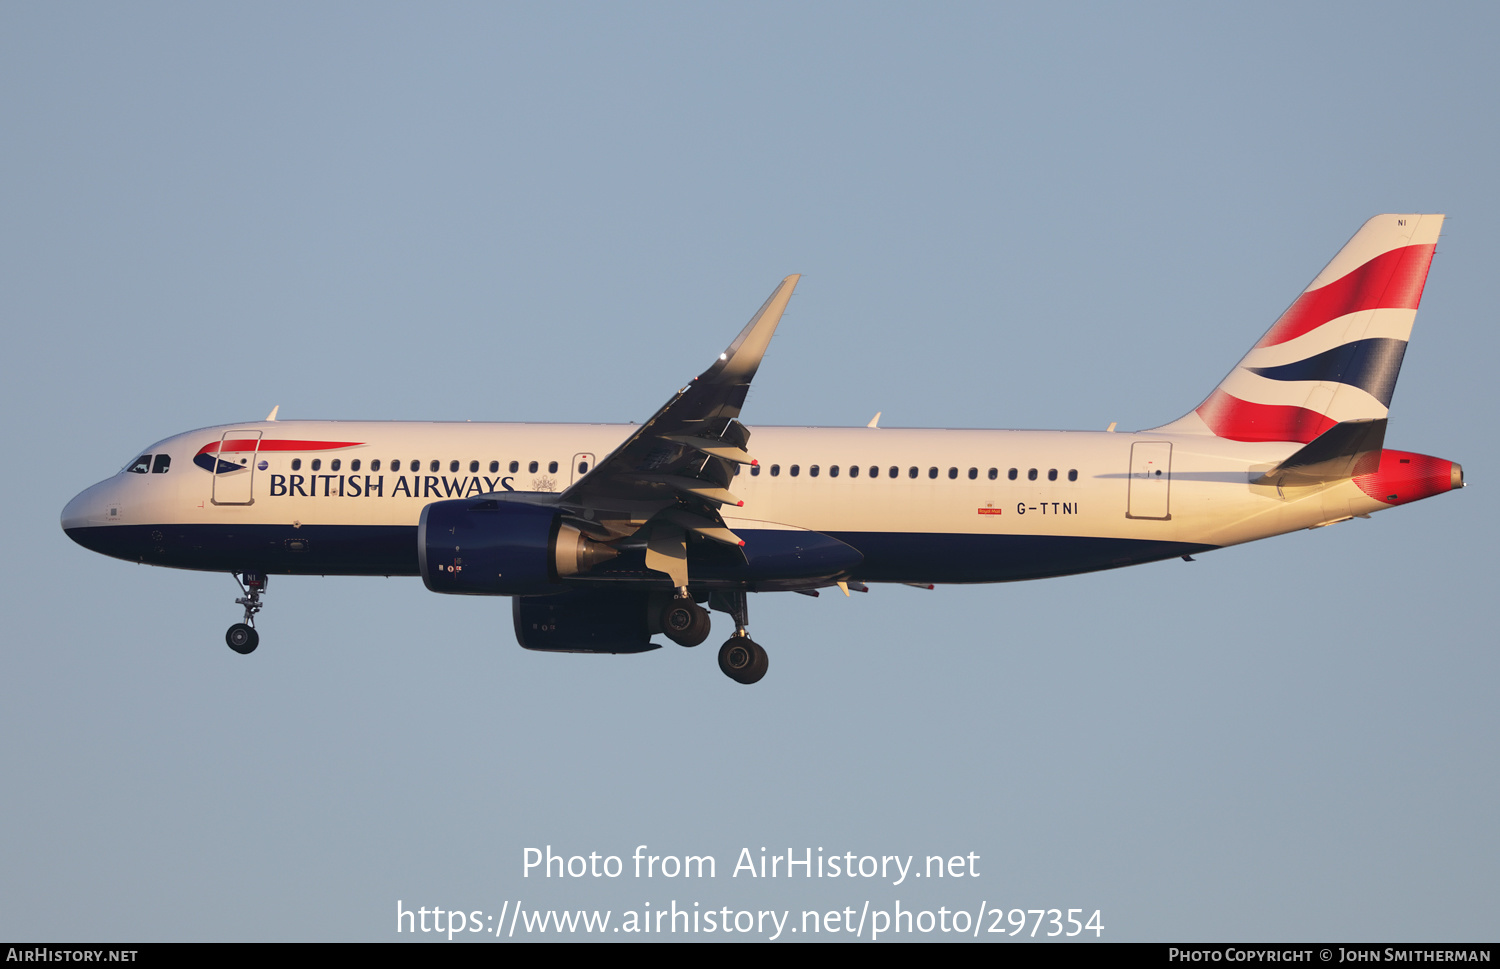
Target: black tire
242 638
686 623
743 660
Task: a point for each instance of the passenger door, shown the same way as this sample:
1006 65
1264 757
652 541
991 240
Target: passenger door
1150 480
234 468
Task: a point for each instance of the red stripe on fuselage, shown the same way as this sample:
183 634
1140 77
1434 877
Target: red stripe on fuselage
1392 280
1240 420
249 444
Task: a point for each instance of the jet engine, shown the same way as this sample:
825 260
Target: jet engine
485 547
585 621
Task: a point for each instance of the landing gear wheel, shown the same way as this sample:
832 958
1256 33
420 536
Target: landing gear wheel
242 638
685 622
743 660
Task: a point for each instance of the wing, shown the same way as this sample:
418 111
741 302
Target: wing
670 478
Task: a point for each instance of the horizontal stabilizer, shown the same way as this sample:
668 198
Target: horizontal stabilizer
1344 450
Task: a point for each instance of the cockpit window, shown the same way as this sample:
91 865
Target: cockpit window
163 462
140 465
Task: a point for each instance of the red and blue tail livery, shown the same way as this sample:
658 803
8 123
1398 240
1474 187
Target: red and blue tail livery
1334 355
607 536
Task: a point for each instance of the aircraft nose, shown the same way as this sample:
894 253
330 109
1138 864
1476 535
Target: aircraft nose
89 507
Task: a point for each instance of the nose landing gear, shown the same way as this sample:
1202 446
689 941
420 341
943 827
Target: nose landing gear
242 637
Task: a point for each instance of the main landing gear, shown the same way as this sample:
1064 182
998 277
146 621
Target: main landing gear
685 622
741 658
242 637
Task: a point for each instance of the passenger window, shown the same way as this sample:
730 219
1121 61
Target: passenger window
163 462
994 473
895 471
853 470
334 465
1052 475
515 466
583 467
875 472
775 470
532 467
374 465
473 467
1073 475
434 465
794 470
952 473
1031 475
932 472
317 464
494 467
1011 474
813 471
833 471
754 470
416 465
552 467
912 473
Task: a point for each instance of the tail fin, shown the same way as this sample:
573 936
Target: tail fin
1334 355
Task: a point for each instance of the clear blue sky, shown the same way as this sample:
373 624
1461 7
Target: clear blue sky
1007 216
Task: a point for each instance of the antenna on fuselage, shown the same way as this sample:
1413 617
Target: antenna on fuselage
272 416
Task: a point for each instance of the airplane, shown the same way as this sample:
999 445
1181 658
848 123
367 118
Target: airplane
607 535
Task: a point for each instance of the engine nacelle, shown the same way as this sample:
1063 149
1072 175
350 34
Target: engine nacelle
585 621
484 547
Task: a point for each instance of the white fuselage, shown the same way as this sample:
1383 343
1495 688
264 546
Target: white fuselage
859 484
